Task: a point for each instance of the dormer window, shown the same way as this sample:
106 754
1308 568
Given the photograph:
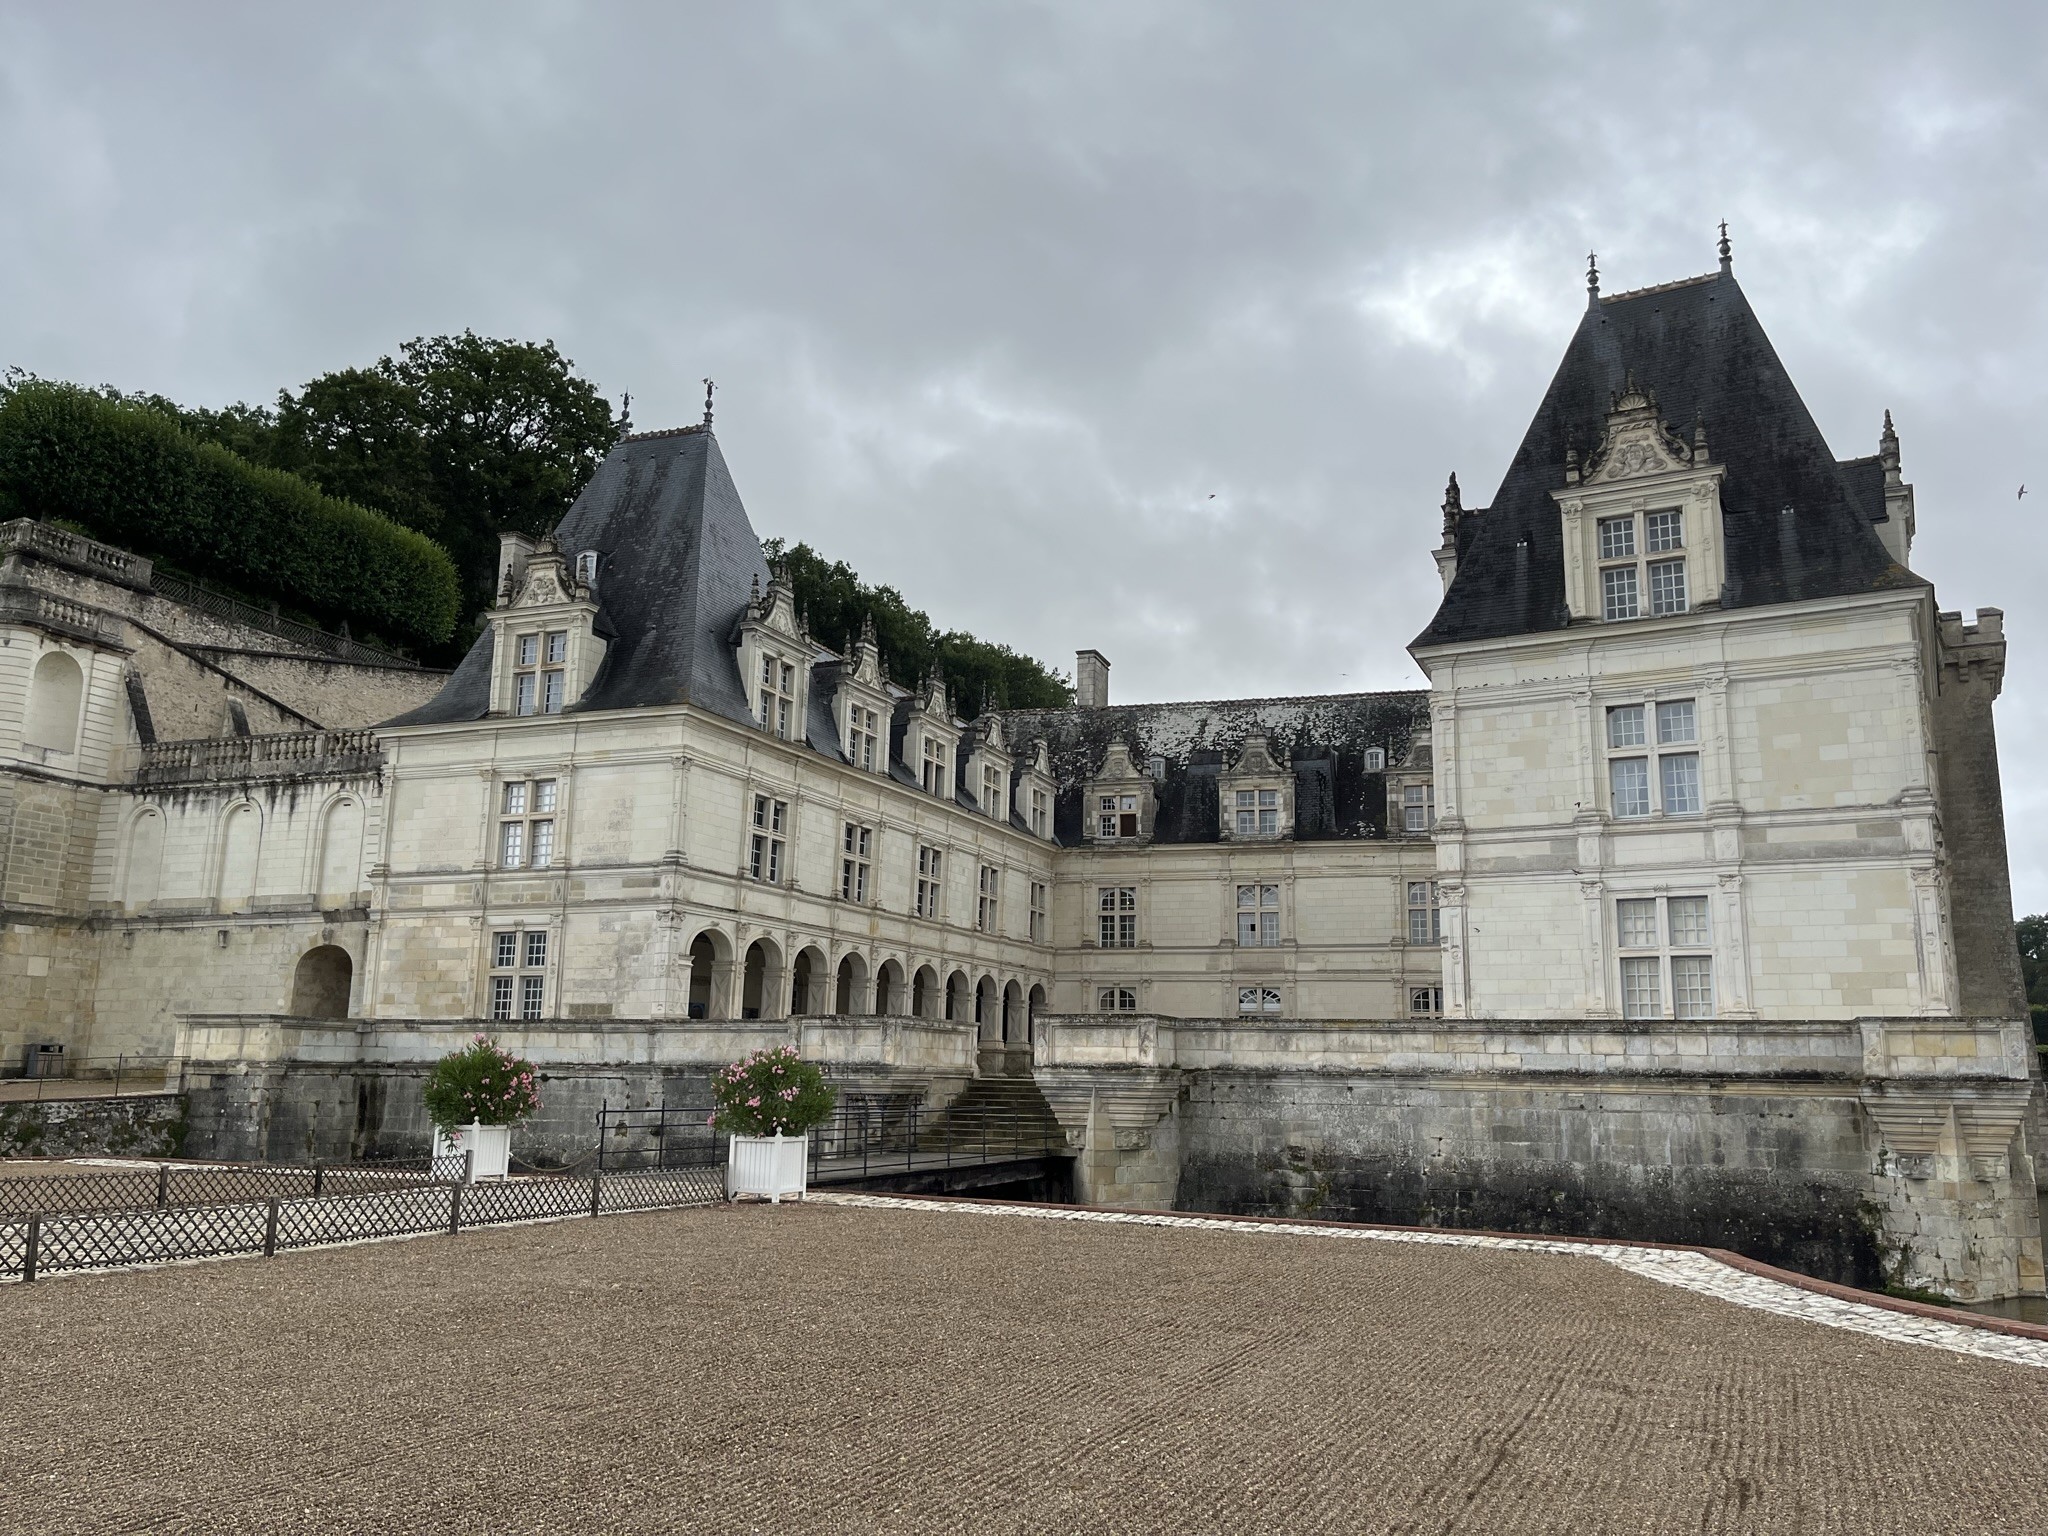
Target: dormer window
1630 573
992 796
537 685
937 776
1116 816
586 567
1041 813
863 729
1257 812
778 697
1375 759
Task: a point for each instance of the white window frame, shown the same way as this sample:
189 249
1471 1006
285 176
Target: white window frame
863 726
1657 740
1425 915
768 840
1116 1000
1426 1002
1255 812
1660 956
992 795
1117 817
528 810
775 696
936 772
1116 917
1259 1002
1418 808
988 910
1038 911
931 883
1258 915
518 963
1639 552
856 862
1041 813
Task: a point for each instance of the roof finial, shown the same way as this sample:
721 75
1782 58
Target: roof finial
1454 508
1699 437
1727 261
708 388
1592 280
625 415
1888 446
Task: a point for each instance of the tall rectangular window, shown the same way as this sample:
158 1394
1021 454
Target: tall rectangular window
1667 586
525 680
938 776
1116 916
993 800
862 727
1418 807
524 843
1660 935
1041 813
988 915
518 982
1676 776
1425 921
1618 592
856 849
768 842
1258 916
1038 924
777 697
1258 812
930 888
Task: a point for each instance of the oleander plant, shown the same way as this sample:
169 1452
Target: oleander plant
771 1092
482 1083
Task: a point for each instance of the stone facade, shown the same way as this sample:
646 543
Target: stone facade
1677 907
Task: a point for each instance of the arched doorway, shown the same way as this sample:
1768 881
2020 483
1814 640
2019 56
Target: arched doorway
320 985
923 990
707 992
1033 1006
956 996
760 981
807 985
987 1011
889 988
850 995
1013 1015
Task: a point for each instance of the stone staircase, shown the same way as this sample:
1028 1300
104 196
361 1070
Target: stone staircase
998 1108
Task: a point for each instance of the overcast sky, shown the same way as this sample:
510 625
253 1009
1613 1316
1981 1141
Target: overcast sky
1148 327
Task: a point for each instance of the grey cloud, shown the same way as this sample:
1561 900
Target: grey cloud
999 295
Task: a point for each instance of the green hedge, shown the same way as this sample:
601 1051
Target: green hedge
133 477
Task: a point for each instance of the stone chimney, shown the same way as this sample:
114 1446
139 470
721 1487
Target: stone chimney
1091 679
514 550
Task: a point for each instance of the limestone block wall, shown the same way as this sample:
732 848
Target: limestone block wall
1344 950
1870 1151
1816 839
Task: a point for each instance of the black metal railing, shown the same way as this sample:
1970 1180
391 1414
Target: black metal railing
338 1204
56 1073
867 1139
661 1136
177 1186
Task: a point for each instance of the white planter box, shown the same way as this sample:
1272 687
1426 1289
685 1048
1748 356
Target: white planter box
492 1145
769 1166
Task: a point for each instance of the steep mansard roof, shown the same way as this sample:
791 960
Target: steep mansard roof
678 560
1698 347
1326 736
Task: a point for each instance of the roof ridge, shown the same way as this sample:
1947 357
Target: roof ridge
1637 293
1280 698
690 431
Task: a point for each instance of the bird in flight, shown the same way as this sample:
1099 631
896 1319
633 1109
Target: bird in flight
2022 495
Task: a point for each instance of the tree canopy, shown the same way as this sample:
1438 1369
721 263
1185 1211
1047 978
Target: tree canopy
2032 934
978 673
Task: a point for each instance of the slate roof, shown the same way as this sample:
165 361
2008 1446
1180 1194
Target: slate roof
1698 347
1325 735
678 560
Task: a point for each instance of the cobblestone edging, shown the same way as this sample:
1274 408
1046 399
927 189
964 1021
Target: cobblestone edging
1690 1271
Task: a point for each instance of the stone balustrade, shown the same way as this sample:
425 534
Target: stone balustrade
237 759
75 551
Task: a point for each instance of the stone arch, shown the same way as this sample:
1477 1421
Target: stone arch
1034 1005
761 980
956 996
889 998
988 1010
924 993
809 983
145 860
341 852
850 989
321 983
1013 1014
710 989
241 841
56 699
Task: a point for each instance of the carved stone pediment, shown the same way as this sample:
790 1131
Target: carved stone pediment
1636 442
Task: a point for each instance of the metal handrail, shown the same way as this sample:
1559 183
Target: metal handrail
341 647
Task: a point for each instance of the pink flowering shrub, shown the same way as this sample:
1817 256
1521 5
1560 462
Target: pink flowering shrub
770 1091
481 1082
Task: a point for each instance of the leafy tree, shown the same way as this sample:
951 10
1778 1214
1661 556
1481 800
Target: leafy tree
460 437
834 600
2032 934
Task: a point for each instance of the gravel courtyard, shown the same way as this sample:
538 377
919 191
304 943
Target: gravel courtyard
819 1368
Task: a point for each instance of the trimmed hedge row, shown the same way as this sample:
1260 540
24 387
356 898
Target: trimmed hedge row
133 477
